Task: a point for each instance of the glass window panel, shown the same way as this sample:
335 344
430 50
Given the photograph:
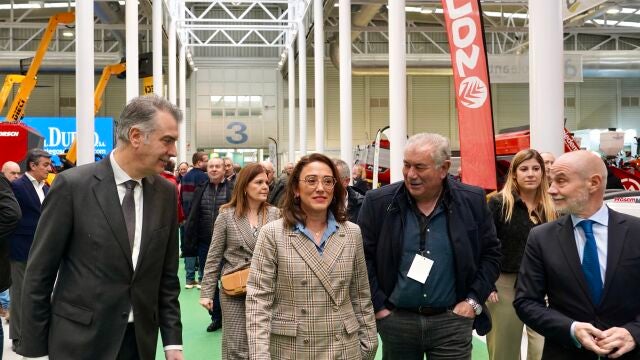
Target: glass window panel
216 112
230 112
256 105
216 102
229 102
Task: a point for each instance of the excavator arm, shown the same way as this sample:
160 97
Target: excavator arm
107 72
8 86
16 111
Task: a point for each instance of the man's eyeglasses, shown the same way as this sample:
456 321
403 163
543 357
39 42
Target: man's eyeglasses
328 182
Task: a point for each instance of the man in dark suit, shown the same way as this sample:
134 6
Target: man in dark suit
108 231
30 190
10 215
587 264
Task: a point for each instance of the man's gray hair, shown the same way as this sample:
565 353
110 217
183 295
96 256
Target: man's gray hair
140 113
34 155
438 144
343 168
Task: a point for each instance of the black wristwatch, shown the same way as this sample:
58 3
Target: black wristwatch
477 308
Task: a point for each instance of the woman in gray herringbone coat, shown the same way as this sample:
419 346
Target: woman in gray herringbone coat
234 236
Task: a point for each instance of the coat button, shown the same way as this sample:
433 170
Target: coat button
241 247
303 282
246 259
337 338
303 311
335 309
125 315
306 341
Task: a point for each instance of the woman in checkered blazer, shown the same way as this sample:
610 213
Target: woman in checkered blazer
234 238
308 292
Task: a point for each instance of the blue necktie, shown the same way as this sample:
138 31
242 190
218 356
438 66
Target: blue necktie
590 263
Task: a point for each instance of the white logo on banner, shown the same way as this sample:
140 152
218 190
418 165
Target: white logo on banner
473 92
630 184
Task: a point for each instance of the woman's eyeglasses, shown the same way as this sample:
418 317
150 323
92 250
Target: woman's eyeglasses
328 182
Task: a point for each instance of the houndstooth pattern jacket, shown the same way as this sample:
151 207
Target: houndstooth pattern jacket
303 305
233 241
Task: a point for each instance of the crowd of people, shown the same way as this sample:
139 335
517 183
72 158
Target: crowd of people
314 263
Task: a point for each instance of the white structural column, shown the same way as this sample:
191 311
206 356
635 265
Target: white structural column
318 61
182 80
302 84
346 140
131 20
397 86
171 58
85 121
292 104
546 75
292 88
157 47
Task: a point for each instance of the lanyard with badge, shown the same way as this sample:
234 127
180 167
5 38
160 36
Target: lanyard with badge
421 265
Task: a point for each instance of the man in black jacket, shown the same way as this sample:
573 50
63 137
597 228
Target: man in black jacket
207 199
10 215
354 198
432 256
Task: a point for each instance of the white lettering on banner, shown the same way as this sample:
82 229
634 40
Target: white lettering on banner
473 91
65 138
457 27
9 133
455 13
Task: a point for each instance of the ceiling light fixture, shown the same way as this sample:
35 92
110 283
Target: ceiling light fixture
614 10
67 33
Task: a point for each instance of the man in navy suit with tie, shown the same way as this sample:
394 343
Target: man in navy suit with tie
588 264
29 190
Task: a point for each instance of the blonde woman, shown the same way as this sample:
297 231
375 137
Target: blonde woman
522 204
234 237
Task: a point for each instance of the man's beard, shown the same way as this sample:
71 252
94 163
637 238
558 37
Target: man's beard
575 205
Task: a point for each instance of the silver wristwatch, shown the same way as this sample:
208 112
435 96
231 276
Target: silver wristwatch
477 308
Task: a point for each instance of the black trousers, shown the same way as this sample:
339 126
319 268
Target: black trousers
129 347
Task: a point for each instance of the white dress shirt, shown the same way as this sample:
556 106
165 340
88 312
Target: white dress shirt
38 185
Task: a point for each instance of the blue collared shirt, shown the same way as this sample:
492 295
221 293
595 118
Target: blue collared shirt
332 227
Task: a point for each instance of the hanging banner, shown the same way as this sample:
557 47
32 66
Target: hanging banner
570 144
571 8
473 94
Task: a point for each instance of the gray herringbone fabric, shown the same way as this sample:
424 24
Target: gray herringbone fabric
303 305
233 241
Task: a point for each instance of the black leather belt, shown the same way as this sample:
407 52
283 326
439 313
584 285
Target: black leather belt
427 311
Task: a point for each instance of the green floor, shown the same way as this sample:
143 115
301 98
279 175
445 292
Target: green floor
201 345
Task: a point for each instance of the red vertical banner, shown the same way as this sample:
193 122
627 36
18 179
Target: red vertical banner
473 93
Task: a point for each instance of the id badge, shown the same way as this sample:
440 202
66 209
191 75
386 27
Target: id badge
420 268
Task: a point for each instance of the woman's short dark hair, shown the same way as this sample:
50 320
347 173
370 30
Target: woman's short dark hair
292 213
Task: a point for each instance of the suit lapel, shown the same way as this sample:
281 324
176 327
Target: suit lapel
106 195
570 249
31 190
244 228
309 254
333 249
151 202
617 233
